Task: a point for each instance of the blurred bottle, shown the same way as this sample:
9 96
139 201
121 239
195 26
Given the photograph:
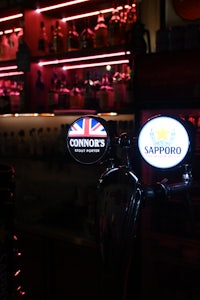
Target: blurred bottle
51 40
13 43
106 95
87 37
43 39
76 99
119 87
63 93
53 92
40 92
101 32
114 28
89 92
130 21
4 48
58 39
73 42
122 26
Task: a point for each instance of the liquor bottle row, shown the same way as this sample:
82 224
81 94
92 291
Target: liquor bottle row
117 30
100 92
94 91
11 94
9 44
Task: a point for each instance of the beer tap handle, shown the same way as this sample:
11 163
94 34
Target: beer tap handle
163 190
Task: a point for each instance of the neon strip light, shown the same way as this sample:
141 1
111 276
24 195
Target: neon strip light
10 74
90 14
93 13
8 31
14 67
17 16
52 7
100 64
70 60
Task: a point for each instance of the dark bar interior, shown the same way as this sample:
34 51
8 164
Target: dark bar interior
123 62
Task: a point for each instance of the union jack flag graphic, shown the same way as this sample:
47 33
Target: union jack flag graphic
87 127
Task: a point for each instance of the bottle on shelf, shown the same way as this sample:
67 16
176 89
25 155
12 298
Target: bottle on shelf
101 32
114 28
40 89
4 48
106 95
23 55
13 43
63 93
73 42
130 21
43 39
51 38
76 99
15 97
53 93
119 89
20 34
89 96
58 39
122 26
87 37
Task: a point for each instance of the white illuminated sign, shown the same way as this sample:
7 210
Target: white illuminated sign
163 142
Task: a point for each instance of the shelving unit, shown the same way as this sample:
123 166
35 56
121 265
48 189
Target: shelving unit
74 62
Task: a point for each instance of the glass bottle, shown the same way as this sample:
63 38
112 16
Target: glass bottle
106 95
58 41
43 40
63 95
53 93
130 21
89 92
101 32
13 43
51 38
73 42
122 26
4 47
40 90
87 37
114 28
76 99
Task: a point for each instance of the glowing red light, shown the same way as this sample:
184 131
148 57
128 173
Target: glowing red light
100 64
16 16
52 7
17 273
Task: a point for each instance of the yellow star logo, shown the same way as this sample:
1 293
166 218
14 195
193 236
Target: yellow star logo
162 134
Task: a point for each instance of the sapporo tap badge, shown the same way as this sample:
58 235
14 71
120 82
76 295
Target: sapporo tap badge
163 142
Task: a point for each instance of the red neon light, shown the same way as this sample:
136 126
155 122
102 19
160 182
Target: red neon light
11 17
93 13
90 14
52 7
8 74
8 68
7 31
70 60
100 64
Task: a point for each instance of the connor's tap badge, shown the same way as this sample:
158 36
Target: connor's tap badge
87 139
163 142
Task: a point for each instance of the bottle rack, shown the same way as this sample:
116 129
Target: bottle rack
73 61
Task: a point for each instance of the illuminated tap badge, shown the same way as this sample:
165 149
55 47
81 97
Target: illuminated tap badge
87 139
163 142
